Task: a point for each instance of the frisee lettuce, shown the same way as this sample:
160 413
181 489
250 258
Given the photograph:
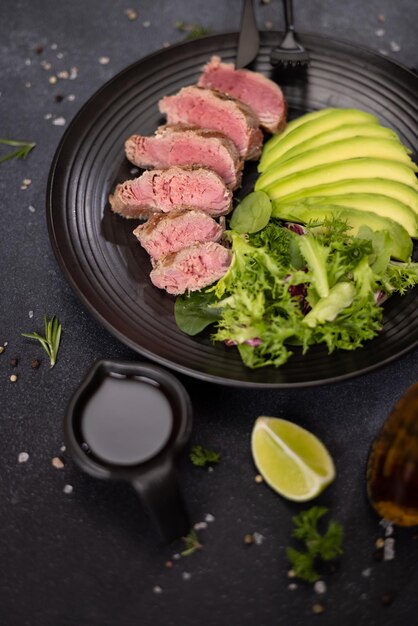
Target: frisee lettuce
284 289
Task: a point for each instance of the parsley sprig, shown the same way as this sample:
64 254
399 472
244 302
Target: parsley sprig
201 456
319 547
192 543
23 149
51 341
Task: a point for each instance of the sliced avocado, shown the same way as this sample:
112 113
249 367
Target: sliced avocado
390 188
331 120
371 202
400 241
345 131
351 115
356 147
333 172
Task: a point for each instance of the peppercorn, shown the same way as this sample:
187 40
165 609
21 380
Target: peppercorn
35 363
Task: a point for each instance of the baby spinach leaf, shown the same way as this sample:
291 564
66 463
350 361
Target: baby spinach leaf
196 310
252 213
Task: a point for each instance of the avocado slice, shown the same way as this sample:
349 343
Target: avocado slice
356 147
371 202
400 241
362 167
345 131
331 120
391 188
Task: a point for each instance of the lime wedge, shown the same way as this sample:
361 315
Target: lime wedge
291 460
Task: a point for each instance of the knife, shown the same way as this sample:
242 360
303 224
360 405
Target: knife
249 38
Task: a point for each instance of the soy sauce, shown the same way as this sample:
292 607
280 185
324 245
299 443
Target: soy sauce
127 421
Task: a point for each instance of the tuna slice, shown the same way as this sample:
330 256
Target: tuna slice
158 191
260 93
191 268
174 145
164 234
205 108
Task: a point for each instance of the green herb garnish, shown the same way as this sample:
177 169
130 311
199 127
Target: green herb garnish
319 547
192 543
201 456
23 149
51 341
194 31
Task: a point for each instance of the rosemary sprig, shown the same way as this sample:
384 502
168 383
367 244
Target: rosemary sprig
194 31
23 149
192 543
51 341
201 456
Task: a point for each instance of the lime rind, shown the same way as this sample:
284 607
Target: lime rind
282 468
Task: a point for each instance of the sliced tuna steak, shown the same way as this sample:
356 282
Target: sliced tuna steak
205 108
257 91
164 234
174 188
191 268
174 145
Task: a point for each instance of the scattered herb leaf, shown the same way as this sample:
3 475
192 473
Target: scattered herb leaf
194 31
319 547
51 341
192 543
23 149
201 456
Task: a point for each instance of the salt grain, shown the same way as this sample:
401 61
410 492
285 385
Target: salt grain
389 549
104 60
146 24
47 116
320 587
258 538
382 51
157 589
258 478
71 97
13 378
30 314
292 586
68 489
54 46
63 448
52 80
395 47
186 576
73 73
60 55
166 44
209 517
176 556
63 74
200 526
31 208
46 65
28 84
57 463
59 121
379 32
28 62
268 25
23 457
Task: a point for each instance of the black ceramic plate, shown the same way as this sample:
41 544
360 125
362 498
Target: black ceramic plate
109 270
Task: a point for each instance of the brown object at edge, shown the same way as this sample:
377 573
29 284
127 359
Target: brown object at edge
392 468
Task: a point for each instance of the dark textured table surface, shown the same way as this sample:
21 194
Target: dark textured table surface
91 557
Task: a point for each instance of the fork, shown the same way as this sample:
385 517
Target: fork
290 53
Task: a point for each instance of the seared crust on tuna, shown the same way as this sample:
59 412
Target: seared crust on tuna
257 91
166 233
191 268
158 191
205 108
175 145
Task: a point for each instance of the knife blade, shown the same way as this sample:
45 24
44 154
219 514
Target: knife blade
249 38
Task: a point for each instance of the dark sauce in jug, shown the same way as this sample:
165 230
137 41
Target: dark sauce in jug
127 421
